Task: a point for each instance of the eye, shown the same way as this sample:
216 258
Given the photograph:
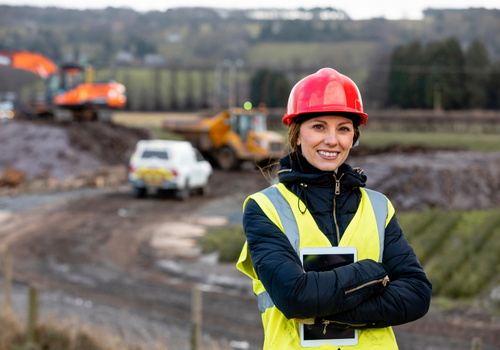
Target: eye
318 126
345 128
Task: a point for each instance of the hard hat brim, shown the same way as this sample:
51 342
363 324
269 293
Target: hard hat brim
360 118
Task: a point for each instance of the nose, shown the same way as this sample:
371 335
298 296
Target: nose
331 138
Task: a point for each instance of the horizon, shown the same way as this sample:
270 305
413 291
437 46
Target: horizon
355 10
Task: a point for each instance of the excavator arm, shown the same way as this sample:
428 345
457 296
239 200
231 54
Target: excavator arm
30 61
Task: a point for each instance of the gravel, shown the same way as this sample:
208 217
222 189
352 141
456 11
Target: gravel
42 151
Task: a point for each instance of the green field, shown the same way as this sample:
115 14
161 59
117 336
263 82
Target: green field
459 251
350 58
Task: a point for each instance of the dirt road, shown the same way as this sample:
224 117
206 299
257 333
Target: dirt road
91 254
96 247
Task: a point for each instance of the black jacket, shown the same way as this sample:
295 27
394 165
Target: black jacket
309 295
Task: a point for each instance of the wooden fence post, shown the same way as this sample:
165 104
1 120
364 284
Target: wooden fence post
477 343
196 319
7 282
32 315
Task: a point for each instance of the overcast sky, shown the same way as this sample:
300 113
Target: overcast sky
356 9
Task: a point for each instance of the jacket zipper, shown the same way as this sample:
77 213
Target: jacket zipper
382 280
337 191
327 322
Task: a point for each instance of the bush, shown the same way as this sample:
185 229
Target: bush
227 240
11 332
53 334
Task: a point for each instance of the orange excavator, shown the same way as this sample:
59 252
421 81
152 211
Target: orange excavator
68 96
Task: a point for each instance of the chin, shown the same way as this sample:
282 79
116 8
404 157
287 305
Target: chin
327 167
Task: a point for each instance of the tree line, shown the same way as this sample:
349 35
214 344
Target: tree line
443 75
437 75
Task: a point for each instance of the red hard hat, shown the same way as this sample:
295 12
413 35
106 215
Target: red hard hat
324 91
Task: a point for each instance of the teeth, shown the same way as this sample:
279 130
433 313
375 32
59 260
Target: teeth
328 154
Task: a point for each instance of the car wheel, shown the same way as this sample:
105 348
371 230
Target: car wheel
184 193
227 159
206 190
140 192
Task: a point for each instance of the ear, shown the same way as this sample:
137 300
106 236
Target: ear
298 141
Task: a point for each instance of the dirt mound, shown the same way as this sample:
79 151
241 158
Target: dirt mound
58 150
363 151
111 143
462 180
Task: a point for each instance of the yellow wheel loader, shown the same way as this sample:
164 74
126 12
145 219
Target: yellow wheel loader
231 137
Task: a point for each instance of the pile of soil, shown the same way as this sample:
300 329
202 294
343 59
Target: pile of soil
113 144
458 179
363 151
43 149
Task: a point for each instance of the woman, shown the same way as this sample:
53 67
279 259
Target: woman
322 199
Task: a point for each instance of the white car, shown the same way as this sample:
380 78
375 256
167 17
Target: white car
168 165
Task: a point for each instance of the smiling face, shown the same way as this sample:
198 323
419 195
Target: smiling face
325 141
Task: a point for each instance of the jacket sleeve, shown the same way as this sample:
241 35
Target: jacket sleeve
299 294
405 299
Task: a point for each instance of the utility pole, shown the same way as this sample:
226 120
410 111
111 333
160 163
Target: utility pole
232 85
7 281
217 87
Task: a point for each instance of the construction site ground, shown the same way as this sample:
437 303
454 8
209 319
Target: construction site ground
105 259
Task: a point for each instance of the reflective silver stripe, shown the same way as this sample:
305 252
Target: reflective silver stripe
264 301
285 214
379 205
291 229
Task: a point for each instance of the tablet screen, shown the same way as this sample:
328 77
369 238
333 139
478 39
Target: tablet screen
326 262
322 259
315 331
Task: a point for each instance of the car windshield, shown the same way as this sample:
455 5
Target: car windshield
154 153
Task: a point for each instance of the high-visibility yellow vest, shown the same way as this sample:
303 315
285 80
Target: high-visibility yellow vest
366 232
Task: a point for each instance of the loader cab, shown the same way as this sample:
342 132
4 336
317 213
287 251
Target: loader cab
244 122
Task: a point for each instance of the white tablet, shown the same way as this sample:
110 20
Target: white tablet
326 259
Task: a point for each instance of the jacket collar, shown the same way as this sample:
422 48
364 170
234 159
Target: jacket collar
295 168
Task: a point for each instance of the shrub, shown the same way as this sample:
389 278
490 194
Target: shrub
11 332
53 334
227 240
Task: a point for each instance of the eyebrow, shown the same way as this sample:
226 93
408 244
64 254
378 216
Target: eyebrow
324 122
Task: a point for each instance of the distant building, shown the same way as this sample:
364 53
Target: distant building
124 57
153 59
174 38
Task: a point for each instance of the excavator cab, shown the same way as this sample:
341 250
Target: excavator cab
68 78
